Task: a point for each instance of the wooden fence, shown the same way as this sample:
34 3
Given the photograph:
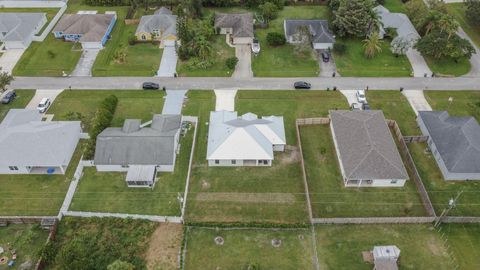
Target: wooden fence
313 121
51 237
415 139
132 21
374 220
304 173
23 219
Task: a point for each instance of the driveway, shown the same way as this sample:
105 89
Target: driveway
168 64
244 65
475 59
43 93
85 64
419 66
327 68
350 95
225 99
9 59
417 100
174 102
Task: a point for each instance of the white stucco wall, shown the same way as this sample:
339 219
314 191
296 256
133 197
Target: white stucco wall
239 163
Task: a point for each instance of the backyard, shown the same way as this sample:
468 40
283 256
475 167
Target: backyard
464 241
22 99
26 240
249 248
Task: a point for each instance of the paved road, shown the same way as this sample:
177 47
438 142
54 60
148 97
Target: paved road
461 83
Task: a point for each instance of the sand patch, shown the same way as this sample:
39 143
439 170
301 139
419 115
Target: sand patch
164 247
291 155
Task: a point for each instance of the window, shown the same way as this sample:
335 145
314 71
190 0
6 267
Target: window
234 161
393 181
144 37
217 161
13 168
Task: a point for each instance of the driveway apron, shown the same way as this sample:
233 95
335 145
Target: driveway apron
174 102
244 65
9 59
417 100
225 99
419 66
85 64
168 64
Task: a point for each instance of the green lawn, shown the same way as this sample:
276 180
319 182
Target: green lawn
244 248
36 194
282 61
108 192
465 103
27 240
395 106
220 52
458 11
131 104
464 241
23 98
353 62
341 246
330 198
395 6
448 67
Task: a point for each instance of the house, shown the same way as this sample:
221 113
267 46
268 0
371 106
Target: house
239 26
161 26
454 142
385 257
18 29
91 30
32 146
400 22
245 140
321 36
140 150
366 152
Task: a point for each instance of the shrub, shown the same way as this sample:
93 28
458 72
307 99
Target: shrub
275 39
51 54
231 62
339 48
132 40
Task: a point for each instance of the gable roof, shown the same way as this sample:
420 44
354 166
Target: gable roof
163 10
457 140
318 29
25 140
136 145
92 27
19 26
245 137
365 146
165 23
241 23
399 21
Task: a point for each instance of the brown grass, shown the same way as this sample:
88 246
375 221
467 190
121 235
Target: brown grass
164 247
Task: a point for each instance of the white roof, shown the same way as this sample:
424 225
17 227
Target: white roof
386 252
20 26
245 137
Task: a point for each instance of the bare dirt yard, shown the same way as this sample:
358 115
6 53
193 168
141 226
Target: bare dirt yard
164 247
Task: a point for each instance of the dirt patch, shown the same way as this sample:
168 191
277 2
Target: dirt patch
247 197
164 247
291 155
205 184
435 248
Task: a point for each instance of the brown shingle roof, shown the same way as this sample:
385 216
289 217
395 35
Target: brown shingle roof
241 23
92 27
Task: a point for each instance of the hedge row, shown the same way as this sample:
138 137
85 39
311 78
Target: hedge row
102 119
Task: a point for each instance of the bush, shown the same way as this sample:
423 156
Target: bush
231 62
339 48
275 39
51 54
132 40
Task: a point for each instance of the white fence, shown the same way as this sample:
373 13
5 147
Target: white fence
50 26
171 219
31 3
193 119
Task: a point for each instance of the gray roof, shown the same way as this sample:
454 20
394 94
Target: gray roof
457 140
318 29
163 10
20 26
161 21
25 140
136 145
365 145
92 27
241 23
399 21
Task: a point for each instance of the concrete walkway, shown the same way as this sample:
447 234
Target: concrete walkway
9 59
168 64
43 93
225 99
243 69
417 100
419 66
174 102
475 59
85 64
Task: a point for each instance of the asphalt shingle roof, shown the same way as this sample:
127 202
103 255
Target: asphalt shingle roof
318 29
19 26
241 23
162 20
92 27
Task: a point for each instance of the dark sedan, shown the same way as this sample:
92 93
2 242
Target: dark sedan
9 97
302 85
150 86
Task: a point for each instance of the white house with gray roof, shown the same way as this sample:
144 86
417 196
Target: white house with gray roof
244 141
18 29
239 26
400 22
454 142
366 152
321 36
140 150
161 26
29 145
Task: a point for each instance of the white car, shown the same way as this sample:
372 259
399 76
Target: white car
255 46
361 96
43 105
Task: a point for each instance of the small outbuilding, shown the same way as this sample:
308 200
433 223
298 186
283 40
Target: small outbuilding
385 257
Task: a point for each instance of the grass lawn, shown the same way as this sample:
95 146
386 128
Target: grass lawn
36 195
108 192
395 6
395 106
448 67
464 241
341 246
23 98
27 240
458 11
465 103
257 194
353 62
282 61
132 104
244 248
220 52
330 198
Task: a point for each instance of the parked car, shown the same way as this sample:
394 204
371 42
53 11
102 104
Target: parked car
302 85
43 105
255 46
150 86
365 107
9 97
325 57
361 96
356 107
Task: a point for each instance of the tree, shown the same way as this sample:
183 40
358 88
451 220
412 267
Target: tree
275 39
400 46
355 18
203 47
120 265
473 11
303 40
417 11
372 45
440 44
5 80
231 62
268 10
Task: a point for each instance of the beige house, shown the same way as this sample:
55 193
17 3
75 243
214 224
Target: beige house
162 27
239 26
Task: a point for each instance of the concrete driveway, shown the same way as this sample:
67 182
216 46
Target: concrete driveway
174 102
9 59
475 59
225 99
327 68
417 100
244 65
43 93
85 64
350 95
419 66
168 64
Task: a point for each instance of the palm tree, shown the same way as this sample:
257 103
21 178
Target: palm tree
372 44
203 47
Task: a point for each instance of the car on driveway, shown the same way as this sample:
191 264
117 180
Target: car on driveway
43 105
356 107
360 94
325 57
365 107
9 97
302 85
150 86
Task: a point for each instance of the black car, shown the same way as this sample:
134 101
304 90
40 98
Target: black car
365 107
150 86
302 85
9 97
325 57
